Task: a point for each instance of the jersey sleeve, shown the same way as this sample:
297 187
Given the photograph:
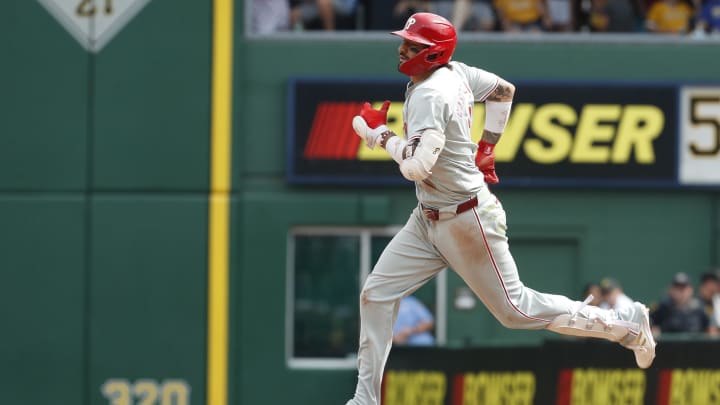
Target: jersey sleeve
481 82
427 109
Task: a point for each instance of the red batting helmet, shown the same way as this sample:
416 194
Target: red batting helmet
432 30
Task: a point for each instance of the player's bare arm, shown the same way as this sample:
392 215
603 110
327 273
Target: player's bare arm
497 110
497 102
490 137
503 92
384 137
403 149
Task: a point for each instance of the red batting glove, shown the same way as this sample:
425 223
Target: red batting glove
375 118
485 161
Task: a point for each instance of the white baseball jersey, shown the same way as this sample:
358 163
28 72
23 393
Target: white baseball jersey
444 102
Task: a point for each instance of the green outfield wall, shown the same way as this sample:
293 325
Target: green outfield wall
105 179
103 208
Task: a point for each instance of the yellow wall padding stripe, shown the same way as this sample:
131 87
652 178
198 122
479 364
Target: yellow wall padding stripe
219 203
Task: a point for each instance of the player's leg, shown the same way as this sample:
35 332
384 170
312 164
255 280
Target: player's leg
407 263
476 247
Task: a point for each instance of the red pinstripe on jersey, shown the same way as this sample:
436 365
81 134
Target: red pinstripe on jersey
331 134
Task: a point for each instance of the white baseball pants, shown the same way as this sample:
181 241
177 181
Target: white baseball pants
473 244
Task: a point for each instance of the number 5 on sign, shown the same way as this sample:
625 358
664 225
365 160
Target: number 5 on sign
700 135
146 392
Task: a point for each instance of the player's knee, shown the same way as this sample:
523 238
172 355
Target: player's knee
373 290
364 296
371 293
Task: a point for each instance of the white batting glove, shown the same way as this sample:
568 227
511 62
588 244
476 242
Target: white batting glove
370 135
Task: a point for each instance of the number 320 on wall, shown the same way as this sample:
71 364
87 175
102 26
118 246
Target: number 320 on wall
146 392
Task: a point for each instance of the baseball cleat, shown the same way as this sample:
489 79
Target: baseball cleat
643 345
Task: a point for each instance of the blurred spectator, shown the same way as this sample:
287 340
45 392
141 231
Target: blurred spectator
384 15
405 8
561 15
680 311
708 20
669 17
612 16
522 15
709 294
613 295
468 15
646 4
323 14
269 16
414 323
594 290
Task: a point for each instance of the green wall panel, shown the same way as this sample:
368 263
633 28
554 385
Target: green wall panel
715 235
641 238
258 288
42 297
43 99
148 290
152 101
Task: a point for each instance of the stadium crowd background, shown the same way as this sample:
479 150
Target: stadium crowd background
699 18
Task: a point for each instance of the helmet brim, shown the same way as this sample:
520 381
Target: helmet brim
412 37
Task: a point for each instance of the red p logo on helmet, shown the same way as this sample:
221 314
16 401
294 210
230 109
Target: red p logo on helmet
409 22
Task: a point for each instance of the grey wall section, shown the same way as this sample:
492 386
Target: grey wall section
561 238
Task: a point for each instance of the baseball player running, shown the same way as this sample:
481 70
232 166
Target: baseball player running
459 222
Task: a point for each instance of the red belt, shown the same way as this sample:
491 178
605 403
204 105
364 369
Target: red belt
434 215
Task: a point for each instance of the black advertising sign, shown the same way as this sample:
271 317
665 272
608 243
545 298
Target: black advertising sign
562 372
559 134
323 148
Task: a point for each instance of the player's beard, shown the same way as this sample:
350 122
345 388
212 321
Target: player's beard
402 61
